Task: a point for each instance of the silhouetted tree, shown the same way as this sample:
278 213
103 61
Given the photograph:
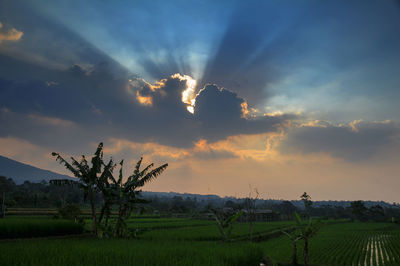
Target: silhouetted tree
294 236
90 177
126 193
287 208
307 202
250 205
307 229
358 210
376 213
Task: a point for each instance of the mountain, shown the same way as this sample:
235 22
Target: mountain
21 172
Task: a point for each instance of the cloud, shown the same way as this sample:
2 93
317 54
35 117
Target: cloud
216 105
54 121
108 99
9 35
217 112
355 141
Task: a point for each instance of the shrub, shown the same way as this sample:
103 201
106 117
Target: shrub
70 212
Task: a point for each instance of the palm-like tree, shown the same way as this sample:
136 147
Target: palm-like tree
294 236
307 229
90 178
225 225
98 177
126 193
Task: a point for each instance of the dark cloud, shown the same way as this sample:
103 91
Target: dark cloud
215 105
218 113
102 103
355 142
222 112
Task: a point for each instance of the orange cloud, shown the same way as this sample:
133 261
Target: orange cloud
245 110
144 100
259 147
10 35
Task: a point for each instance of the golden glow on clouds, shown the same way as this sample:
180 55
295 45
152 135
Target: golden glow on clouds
188 94
144 100
259 147
315 123
10 35
248 112
353 125
139 84
150 149
245 110
257 162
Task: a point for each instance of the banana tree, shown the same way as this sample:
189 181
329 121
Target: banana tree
90 178
126 193
225 225
294 236
307 229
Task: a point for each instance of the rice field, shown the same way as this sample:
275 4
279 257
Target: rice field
127 252
209 231
184 241
26 227
370 244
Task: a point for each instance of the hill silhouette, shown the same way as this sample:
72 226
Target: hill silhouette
21 172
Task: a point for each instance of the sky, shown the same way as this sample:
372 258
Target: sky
282 96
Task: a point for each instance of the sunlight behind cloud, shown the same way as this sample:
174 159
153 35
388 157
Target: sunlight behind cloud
188 95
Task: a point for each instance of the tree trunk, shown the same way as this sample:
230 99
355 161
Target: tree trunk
306 252
119 221
3 206
102 213
107 215
251 230
294 258
93 213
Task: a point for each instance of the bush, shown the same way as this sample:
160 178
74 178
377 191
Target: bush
70 212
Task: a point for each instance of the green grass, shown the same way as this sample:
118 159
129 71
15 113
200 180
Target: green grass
211 232
12 227
127 252
183 241
166 223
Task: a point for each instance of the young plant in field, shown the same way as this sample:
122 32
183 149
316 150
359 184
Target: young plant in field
307 229
225 225
70 212
90 178
294 236
250 204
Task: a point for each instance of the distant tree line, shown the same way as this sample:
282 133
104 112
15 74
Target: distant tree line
38 195
45 195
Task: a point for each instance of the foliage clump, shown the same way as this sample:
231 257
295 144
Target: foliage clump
70 212
97 177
